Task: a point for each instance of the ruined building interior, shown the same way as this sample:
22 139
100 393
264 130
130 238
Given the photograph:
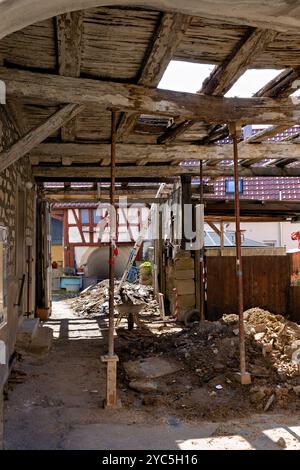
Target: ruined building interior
200 336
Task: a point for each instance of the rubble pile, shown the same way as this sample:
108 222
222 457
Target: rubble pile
209 356
277 338
93 301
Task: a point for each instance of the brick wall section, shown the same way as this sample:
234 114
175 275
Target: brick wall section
14 177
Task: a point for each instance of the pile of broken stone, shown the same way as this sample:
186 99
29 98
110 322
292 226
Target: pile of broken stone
210 351
93 301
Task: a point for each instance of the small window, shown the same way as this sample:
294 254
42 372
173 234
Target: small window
96 216
229 186
85 216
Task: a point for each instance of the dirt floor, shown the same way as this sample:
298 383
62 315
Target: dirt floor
55 402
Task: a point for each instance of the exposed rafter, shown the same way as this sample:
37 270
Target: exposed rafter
225 75
168 35
69 44
280 87
54 153
269 132
46 173
37 135
148 100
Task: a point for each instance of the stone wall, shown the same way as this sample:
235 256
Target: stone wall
16 177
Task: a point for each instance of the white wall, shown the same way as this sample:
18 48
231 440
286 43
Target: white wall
269 231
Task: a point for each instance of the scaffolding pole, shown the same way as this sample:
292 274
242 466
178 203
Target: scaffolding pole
202 251
244 376
111 359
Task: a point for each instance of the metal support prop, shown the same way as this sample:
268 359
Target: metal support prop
202 251
245 377
111 359
111 244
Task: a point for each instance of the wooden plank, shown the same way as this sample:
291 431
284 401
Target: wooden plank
147 100
225 75
282 85
168 35
268 133
93 153
69 28
36 136
266 282
158 171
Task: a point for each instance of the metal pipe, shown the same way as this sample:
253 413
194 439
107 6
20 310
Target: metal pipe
239 267
202 251
111 329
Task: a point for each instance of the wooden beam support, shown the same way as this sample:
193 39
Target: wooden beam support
215 228
69 29
166 39
268 133
282 85
225 75
147 153
37 135
46 173
211 109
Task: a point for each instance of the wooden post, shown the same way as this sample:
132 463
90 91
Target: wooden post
161 268
111 359
186 198
245 376
222 238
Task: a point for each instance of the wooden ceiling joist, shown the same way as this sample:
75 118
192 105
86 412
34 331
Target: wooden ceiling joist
37 135
165 42
53 153
281 86
69 28
46 173
225 75
147 100
268 133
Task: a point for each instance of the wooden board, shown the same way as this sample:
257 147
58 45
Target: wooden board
266 284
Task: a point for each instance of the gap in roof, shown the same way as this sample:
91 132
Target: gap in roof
296 93
185 76
251 82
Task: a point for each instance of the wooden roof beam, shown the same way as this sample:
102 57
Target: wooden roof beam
225 75
53 153
46 173
281 86
268 133
69 28
37 135
109 95
168 36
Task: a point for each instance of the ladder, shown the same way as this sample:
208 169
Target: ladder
139 240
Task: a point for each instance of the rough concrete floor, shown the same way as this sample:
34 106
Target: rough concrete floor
58 405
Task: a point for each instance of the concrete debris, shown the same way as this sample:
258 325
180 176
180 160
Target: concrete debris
93 301
269 402
150 368
208 353
281 443
143 386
